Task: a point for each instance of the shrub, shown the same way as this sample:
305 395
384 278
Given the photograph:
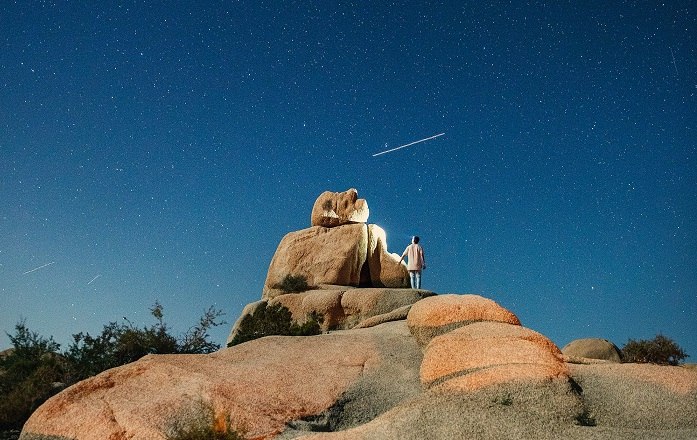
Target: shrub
274 320
31 373
660 350
119 344
293 284
198 422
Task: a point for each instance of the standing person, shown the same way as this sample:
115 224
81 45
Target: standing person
416 264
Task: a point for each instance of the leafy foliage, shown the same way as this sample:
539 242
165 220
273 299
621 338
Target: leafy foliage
274 320
29 374
293 284
35 369
660 350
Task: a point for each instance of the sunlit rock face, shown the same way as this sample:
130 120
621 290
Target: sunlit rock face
321 255
339 208
348 255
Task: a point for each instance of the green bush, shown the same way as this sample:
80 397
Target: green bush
660 350
30 373
293 284
274 320
35 369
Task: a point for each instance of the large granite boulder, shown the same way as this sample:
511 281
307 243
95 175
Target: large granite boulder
348 255
321 255
259 388
488 353
593 348
339 208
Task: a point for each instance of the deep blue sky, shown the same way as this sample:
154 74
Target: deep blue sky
160 151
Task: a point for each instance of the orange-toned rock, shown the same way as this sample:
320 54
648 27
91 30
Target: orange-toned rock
339 208
293 302
440 314
259 386
488 353
321 255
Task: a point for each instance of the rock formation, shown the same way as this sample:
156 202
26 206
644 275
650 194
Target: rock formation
339 208
392 363
593 348
338 252
484 379
343 308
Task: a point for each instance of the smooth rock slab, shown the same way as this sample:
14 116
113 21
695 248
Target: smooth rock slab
440 314
259 385
487 353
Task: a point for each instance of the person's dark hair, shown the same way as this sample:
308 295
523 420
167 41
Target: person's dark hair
416 239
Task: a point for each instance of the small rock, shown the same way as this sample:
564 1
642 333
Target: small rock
593 348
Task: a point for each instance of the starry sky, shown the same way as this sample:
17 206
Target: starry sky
161 150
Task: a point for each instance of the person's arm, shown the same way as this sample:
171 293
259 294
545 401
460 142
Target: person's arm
404 254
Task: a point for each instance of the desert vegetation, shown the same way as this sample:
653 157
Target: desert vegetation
293 284
35 368
659 350
274 320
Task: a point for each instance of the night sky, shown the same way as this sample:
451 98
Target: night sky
161 150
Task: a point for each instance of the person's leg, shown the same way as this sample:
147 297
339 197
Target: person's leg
418 279
412 278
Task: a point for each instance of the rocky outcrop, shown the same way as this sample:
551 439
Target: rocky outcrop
259 387
348 255
593 348
343 309
339 249
339 208
392 363
489 353
486 378
440 314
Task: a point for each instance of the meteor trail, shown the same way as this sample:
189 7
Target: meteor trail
37 268
92 281
409 144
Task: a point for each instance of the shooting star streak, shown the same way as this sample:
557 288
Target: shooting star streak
409 144
40 267
674 65
92 280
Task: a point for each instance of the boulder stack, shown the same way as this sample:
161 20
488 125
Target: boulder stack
338 249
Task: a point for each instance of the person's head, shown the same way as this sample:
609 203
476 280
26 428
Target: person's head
415 239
